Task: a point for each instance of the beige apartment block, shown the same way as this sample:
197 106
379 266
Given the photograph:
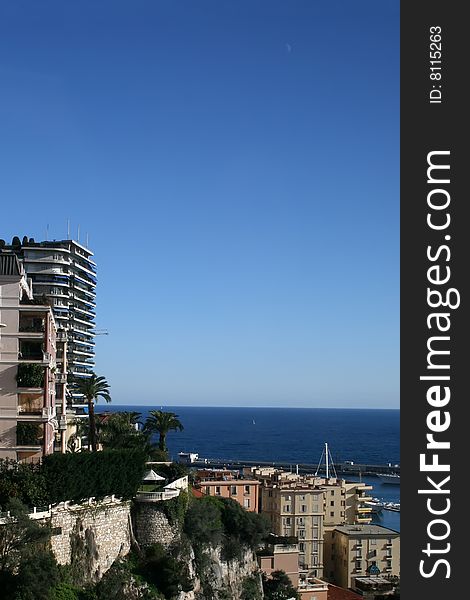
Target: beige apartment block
363 552
27 367
309 507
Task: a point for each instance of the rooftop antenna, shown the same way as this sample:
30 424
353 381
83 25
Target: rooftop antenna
68 229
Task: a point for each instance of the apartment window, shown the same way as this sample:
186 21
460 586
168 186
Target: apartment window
301 547
233 490
315 508
208 490
343 503
358 565
358 552
301 533
314 560
270 494
389 564
303 508
316 522
287 508
247 489
246 503
287 498
332 503
301 497
301 521
217 490
332 514
287 521
332 493
315 546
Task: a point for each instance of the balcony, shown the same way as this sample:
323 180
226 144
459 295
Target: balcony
29 434
30 404
61 336
30 376
31 324
61 378
157 496
363 519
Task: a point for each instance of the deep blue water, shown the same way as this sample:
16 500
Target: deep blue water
294 435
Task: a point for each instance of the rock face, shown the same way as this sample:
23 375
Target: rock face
91 536
222 579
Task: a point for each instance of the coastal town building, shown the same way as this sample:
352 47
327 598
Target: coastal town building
27 367
309 507
364 557
225 483
63 272
282 554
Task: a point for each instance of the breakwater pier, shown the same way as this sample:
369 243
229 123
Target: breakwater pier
343 468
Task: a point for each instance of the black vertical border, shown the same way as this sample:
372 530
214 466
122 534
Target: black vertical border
427 127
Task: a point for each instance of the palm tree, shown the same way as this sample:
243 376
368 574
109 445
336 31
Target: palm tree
93 388
162 422
119 430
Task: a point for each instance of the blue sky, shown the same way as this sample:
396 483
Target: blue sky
235 165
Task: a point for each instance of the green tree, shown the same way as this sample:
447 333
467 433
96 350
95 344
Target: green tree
162 422
279 587
37 576
203 521
92 388
119 431
19 536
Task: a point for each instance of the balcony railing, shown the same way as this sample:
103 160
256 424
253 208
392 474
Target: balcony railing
157 496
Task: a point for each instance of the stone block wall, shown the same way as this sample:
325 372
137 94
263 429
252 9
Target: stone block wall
91 535
151 526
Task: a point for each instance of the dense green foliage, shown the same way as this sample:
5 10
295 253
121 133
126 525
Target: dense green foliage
37 576
25 482
76 476
30 375
279 587
19 535
251 589
211 521
29 434
27 569
165 570
118 430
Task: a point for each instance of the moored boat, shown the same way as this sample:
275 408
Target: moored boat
390 478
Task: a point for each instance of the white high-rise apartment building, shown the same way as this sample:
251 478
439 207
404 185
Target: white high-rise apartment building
63 271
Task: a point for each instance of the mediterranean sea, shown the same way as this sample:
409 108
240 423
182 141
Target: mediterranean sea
292 435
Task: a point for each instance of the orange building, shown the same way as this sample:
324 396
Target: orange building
243 491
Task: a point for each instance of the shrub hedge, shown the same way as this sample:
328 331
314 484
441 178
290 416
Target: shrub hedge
77 476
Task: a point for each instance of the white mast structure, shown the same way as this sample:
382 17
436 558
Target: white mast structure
329 464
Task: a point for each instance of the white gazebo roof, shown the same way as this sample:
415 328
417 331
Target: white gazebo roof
150 475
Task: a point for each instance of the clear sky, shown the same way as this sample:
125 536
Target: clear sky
235 165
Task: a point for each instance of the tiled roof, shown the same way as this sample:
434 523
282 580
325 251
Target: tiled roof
338 593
